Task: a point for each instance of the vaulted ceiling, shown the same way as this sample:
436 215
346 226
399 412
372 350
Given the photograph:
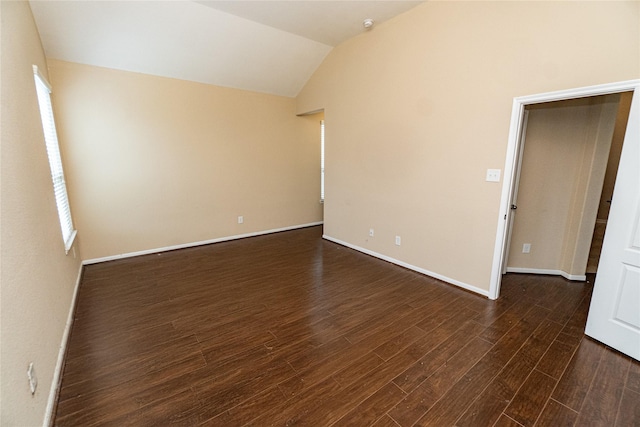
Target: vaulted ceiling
264 46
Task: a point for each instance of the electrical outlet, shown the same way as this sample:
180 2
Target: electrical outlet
240 219
33 380
493 175
398 240
526 248
371 232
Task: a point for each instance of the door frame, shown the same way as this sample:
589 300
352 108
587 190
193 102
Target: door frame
511 161
514 190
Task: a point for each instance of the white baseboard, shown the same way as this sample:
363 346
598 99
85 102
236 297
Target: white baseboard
410 267
57 373
575 277
192 244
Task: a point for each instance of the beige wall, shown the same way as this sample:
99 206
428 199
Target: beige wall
565 156
37 278
155 162
418 109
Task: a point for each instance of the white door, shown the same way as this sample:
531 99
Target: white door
513 204
614 314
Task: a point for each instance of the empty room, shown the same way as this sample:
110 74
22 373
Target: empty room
349 213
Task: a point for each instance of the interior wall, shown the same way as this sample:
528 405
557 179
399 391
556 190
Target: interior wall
37 278
418 109
155 162
565 155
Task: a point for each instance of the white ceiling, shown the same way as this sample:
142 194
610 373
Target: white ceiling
264 46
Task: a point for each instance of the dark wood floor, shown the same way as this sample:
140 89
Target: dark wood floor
288 329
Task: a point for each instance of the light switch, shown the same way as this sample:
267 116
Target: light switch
493 175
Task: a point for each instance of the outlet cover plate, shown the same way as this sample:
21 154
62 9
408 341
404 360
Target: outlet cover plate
493 175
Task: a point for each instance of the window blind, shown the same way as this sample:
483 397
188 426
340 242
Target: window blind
55 161
322 160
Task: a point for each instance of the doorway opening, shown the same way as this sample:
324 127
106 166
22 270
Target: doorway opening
564 154
314 122
522 107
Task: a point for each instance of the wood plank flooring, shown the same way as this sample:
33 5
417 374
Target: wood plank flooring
288 329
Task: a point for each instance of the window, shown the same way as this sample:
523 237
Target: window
322 161
55 162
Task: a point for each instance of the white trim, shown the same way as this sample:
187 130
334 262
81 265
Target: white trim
409 266
309 113
575 277
200 243
581 92
69 243
517 111
57 373
45 82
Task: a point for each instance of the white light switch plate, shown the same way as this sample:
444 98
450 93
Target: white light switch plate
493 175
